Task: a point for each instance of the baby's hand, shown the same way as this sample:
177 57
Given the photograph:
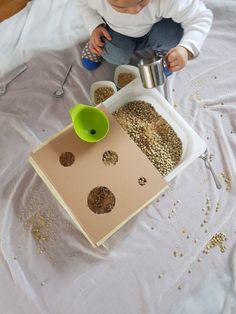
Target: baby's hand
177 58
95 42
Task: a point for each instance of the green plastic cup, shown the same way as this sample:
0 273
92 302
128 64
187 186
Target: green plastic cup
90 123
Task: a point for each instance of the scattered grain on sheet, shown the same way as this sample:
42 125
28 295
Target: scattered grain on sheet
217 207
175 253
43 221
219 240
39 226
152 134
211 157
227 180
177 202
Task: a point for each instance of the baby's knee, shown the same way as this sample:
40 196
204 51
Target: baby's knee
116 55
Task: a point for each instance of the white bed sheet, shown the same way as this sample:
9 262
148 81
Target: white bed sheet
42 25
137 271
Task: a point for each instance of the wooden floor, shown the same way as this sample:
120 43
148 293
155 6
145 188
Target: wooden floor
10 7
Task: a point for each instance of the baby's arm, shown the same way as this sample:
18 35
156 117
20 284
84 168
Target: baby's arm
90 16
196 21
96 41
95 24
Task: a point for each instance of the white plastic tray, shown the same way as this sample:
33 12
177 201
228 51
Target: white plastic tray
193 145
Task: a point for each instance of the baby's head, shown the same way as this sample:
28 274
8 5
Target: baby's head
128 6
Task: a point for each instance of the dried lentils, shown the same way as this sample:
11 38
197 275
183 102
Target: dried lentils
152 134
217 240
124 79
101 200
110 158
102 93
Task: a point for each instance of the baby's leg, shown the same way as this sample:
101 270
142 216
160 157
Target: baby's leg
120 49
164 35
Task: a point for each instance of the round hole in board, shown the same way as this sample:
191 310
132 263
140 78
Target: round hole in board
66 159
101 200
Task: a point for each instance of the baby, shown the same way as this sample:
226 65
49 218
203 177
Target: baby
119 28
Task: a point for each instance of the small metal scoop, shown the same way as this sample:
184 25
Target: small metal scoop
60 91
151 73
204 156
3 87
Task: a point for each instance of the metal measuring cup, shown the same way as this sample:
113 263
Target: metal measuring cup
152 74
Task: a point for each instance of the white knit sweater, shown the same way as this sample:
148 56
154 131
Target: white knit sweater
193 15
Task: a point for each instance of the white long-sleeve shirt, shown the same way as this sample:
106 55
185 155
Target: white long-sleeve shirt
193 15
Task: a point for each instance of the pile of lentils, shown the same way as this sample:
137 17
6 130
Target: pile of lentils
102 93
124 79
152 134
101 200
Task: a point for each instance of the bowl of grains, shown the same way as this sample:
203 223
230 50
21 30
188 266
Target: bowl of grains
124 74
101 91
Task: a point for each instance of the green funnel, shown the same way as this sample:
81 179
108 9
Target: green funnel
90 123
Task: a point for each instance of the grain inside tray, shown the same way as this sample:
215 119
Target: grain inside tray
152 133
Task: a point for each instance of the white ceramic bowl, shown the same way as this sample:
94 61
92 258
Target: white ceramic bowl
99 84
125 69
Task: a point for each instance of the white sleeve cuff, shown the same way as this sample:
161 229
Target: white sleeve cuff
93 23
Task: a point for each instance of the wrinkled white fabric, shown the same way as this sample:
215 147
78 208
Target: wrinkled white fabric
136 272
42 25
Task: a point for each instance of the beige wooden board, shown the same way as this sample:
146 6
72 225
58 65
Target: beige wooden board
74 183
